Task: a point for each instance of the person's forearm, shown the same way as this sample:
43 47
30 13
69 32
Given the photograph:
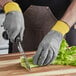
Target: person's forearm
3 2
70 15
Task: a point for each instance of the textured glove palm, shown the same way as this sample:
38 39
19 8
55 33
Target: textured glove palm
14 25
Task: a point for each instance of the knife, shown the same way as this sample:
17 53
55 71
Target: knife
19 46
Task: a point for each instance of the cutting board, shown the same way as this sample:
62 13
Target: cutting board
9 66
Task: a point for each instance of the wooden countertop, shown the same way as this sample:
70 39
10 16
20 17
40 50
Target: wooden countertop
9 66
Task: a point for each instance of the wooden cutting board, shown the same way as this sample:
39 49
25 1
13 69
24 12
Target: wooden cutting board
9 66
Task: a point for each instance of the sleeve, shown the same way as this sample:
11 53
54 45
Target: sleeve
3 2
24 4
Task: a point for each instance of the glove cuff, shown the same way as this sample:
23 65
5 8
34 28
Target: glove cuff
11 6
61 27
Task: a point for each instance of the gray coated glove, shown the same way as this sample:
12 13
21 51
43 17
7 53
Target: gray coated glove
48 48
14 25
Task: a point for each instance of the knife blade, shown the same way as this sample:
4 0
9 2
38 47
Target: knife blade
19 46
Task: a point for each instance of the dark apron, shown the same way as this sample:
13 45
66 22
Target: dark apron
71 36
39 21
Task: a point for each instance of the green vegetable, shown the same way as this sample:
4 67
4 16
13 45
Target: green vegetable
66 56
30 60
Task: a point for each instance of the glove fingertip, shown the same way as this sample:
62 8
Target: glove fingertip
22 34
34 59
21 37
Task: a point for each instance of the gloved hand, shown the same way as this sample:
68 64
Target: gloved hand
14 21
49 46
